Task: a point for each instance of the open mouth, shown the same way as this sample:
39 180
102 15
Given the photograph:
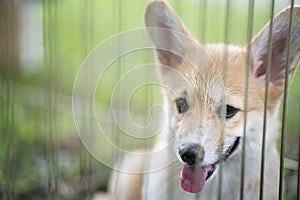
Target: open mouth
193 177
232 148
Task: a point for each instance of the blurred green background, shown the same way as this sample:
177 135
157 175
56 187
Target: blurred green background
42 46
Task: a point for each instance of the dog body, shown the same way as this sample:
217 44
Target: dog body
230 180
204 94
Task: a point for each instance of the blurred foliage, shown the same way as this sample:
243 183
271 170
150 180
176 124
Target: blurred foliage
41 155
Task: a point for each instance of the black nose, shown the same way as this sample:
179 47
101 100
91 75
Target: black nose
191 153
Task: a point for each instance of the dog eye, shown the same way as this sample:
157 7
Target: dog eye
181 105
231 111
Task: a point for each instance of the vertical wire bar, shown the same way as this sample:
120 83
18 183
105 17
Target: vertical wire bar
11 144
248 66
266 101
10 149
50 24
9 41
197 173
54 83
223 105
83 153
85 163
285 102
46 52
83 156
120 26
201 32
91 105
298 174
118 19
178 7
3 122
171 170
203 10
148 142
50 192
115 155
3 103
46 64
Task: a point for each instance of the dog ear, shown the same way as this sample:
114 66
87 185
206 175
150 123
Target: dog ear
280 31
167 32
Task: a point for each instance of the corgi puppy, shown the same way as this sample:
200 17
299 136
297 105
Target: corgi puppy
213 133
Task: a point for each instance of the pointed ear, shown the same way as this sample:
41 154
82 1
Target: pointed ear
259 46
167 32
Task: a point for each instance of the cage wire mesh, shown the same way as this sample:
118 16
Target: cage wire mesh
43 44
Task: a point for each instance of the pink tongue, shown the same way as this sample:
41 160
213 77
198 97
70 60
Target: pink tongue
193 178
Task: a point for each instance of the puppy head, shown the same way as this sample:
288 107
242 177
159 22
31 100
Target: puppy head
204 88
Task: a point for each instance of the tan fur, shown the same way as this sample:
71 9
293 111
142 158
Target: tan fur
208 76
125 185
